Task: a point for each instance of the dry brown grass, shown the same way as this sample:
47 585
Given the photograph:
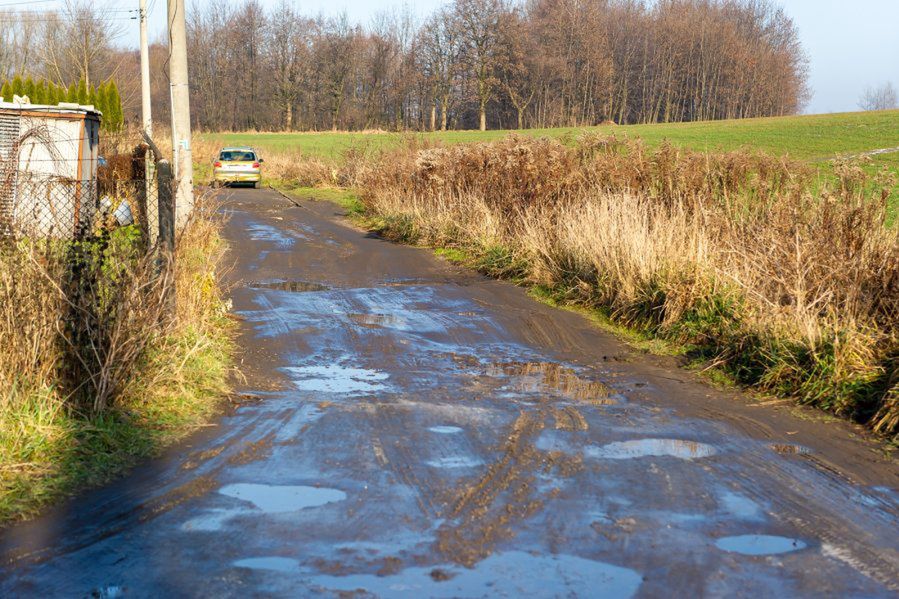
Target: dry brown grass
790 283
94 371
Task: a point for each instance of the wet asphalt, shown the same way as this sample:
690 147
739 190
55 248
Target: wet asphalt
411 429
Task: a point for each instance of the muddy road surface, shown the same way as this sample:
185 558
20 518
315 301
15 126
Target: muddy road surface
411 429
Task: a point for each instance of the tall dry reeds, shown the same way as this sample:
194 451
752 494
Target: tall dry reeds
789 282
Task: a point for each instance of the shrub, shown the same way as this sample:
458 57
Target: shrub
789 282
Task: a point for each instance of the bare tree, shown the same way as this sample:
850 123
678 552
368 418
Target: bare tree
288 48
883 97
526 62
440 50
478 24
78 42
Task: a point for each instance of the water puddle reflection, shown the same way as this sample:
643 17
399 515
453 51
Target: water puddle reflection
295 286
445 430
375 321
261 232
334 378
510 574
638 448
759 544
455 462
274 499
273 563
542 377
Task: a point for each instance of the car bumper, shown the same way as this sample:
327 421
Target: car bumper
236 176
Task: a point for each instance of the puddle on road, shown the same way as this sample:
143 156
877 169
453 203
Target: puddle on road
274 499
273 563
295 286
455 462
638 448
334 378
741 507
540 377
260 232
759 544
374 321
510 574
445 430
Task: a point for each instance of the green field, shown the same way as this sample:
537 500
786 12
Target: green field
814 138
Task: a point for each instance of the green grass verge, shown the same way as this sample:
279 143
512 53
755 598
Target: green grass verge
48 451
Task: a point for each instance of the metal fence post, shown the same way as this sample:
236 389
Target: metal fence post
166 195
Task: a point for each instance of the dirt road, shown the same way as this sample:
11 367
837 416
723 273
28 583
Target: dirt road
411 429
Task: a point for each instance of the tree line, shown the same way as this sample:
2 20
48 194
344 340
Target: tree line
469 64
104 97
495 64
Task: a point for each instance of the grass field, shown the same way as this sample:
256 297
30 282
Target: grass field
812 137
817 139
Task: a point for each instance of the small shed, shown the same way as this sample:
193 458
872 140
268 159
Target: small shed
48 168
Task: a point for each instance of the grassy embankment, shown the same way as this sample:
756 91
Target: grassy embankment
95 377
782 273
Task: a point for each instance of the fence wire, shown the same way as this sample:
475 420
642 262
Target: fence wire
38 206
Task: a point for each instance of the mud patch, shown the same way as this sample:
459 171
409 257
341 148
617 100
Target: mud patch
190 490
274 499
640 448
252 452
759 544
510 574
212 521
273 564
197 458
334 378
484 509
569 419
294 286
551 377
789 449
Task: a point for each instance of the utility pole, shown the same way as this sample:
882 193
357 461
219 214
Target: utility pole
180 99
146 113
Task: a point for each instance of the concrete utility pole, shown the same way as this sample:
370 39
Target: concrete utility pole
146 113
180 98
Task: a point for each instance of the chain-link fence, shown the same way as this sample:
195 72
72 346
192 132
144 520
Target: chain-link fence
93 257
38 207
42 206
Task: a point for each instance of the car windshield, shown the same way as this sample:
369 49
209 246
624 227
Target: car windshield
237 156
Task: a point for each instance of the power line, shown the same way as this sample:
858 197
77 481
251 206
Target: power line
28 3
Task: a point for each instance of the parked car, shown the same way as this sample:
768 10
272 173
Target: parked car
237 165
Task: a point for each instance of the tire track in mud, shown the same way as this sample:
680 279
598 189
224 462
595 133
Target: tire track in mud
835 533
483 512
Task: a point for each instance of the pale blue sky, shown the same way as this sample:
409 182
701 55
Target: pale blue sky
851 43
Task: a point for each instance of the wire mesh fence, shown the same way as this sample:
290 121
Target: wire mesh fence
41 206
38 207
